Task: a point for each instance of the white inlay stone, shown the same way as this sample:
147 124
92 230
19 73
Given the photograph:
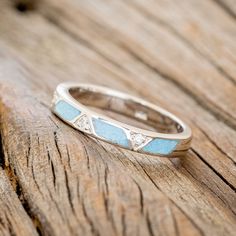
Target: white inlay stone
83 124
138 140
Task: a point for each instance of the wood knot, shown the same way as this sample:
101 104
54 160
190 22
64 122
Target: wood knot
25 5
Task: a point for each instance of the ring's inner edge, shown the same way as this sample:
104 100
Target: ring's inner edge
126 107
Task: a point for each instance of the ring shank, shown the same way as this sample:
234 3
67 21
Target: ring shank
82 98
128 107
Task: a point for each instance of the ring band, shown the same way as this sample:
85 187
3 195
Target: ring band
169 136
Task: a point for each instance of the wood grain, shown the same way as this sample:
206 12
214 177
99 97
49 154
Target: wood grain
13 219
79 186
193 73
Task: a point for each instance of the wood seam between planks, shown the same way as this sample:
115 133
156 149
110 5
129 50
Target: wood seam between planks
209 106
226 8
215 171
156 186
89 44
152 177
187 43
215 144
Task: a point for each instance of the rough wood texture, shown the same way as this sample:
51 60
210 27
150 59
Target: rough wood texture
181 56
13 218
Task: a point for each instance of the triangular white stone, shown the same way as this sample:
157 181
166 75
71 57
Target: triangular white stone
83 124
138 140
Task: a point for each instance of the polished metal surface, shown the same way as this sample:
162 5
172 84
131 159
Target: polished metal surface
163 125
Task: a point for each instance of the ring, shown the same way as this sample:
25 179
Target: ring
78 105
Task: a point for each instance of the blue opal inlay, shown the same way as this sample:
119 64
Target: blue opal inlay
160 146
110 132
66 111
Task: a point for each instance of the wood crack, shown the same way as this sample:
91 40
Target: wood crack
106 179
87 157
174 203
10 227
221 199
92 227
28 151
215 171
187 43
209 106
149 225
177 233
2 157
226 8
14 181
216 145
35 181
68 156
69 193
53 173
141 199
16 186
56 144
124 227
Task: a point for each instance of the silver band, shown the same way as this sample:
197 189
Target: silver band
75 103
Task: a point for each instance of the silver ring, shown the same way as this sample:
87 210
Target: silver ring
168 135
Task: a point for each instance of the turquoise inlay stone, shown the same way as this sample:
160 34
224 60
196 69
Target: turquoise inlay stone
160 146
110 132
66 111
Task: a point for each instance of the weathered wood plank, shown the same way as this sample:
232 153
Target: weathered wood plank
229 6
99 194
13 218
225 144
208 33
111 53
156 46
76 185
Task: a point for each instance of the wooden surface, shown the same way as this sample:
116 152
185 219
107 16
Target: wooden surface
56 181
